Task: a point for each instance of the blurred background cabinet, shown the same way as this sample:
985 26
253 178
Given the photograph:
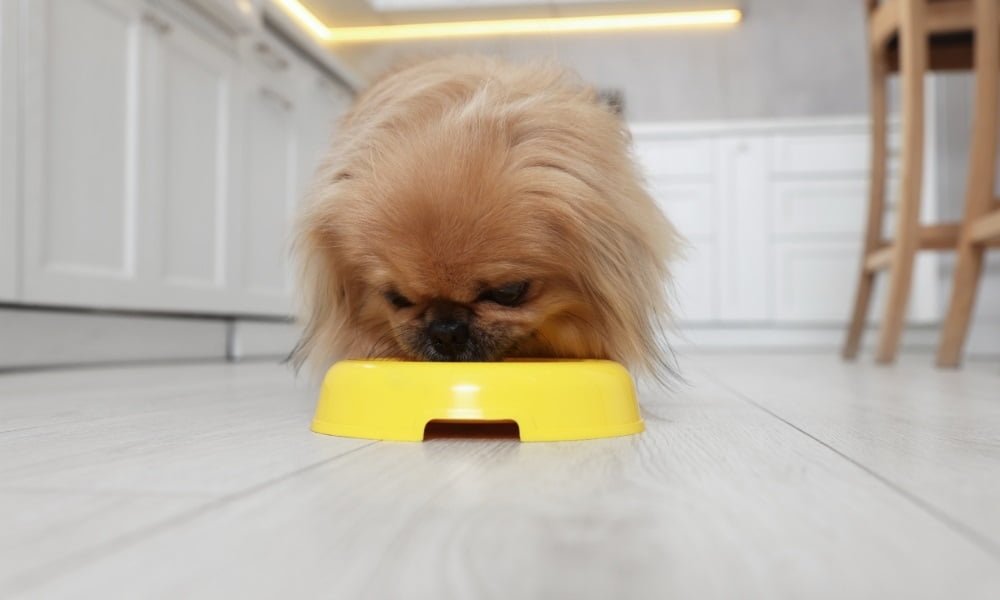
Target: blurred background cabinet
290 106
772 212
187 126
271 186
8 150
164 157
82 99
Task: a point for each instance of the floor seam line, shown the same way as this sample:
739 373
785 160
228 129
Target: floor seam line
36 576
985 543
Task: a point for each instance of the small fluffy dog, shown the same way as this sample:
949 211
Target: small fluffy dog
475 210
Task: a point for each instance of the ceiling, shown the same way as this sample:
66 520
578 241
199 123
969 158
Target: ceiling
354 13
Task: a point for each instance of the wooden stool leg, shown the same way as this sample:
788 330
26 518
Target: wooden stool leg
913 60
876 200
979 192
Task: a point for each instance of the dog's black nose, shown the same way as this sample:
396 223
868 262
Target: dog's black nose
449 337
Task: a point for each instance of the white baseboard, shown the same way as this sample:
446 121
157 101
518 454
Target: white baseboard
261 339
784 338
38 338
984 339
255 339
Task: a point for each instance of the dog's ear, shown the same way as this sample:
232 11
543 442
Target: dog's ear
613 100
324 286
317 285
621 270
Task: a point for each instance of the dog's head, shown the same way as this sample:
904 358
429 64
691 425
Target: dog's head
502 225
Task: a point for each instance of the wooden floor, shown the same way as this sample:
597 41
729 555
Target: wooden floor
766 476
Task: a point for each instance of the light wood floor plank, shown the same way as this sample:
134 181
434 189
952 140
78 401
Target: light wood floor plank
718 499
26 398
207 430
933 433
39 529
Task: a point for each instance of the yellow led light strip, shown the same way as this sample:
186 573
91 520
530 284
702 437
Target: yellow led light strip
418 31
305 18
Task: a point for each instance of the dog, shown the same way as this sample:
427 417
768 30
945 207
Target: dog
476 210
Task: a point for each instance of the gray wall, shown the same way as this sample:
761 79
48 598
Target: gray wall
789 58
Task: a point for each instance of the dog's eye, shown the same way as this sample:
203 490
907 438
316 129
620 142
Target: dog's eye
398 300
508 295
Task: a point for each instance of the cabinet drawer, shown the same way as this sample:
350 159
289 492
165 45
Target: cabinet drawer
815 282
817 206
679 158
694 283
817 154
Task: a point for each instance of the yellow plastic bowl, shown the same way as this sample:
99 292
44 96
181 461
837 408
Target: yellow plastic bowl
549 400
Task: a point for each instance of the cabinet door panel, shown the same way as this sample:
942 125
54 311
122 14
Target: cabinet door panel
814 283
694 283
191 108
81 145
90 139
744 227
194 168
287 115
810 154
271 185
819 206
689 158
323 103
8 147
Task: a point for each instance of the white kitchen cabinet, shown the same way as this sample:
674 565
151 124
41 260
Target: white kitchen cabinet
127 170
290 110
270 184
9 137
818 202
811 280
690 200
269 200
164 158
744 229
187 153
818 206
695 280
81 141
323 101
773 213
